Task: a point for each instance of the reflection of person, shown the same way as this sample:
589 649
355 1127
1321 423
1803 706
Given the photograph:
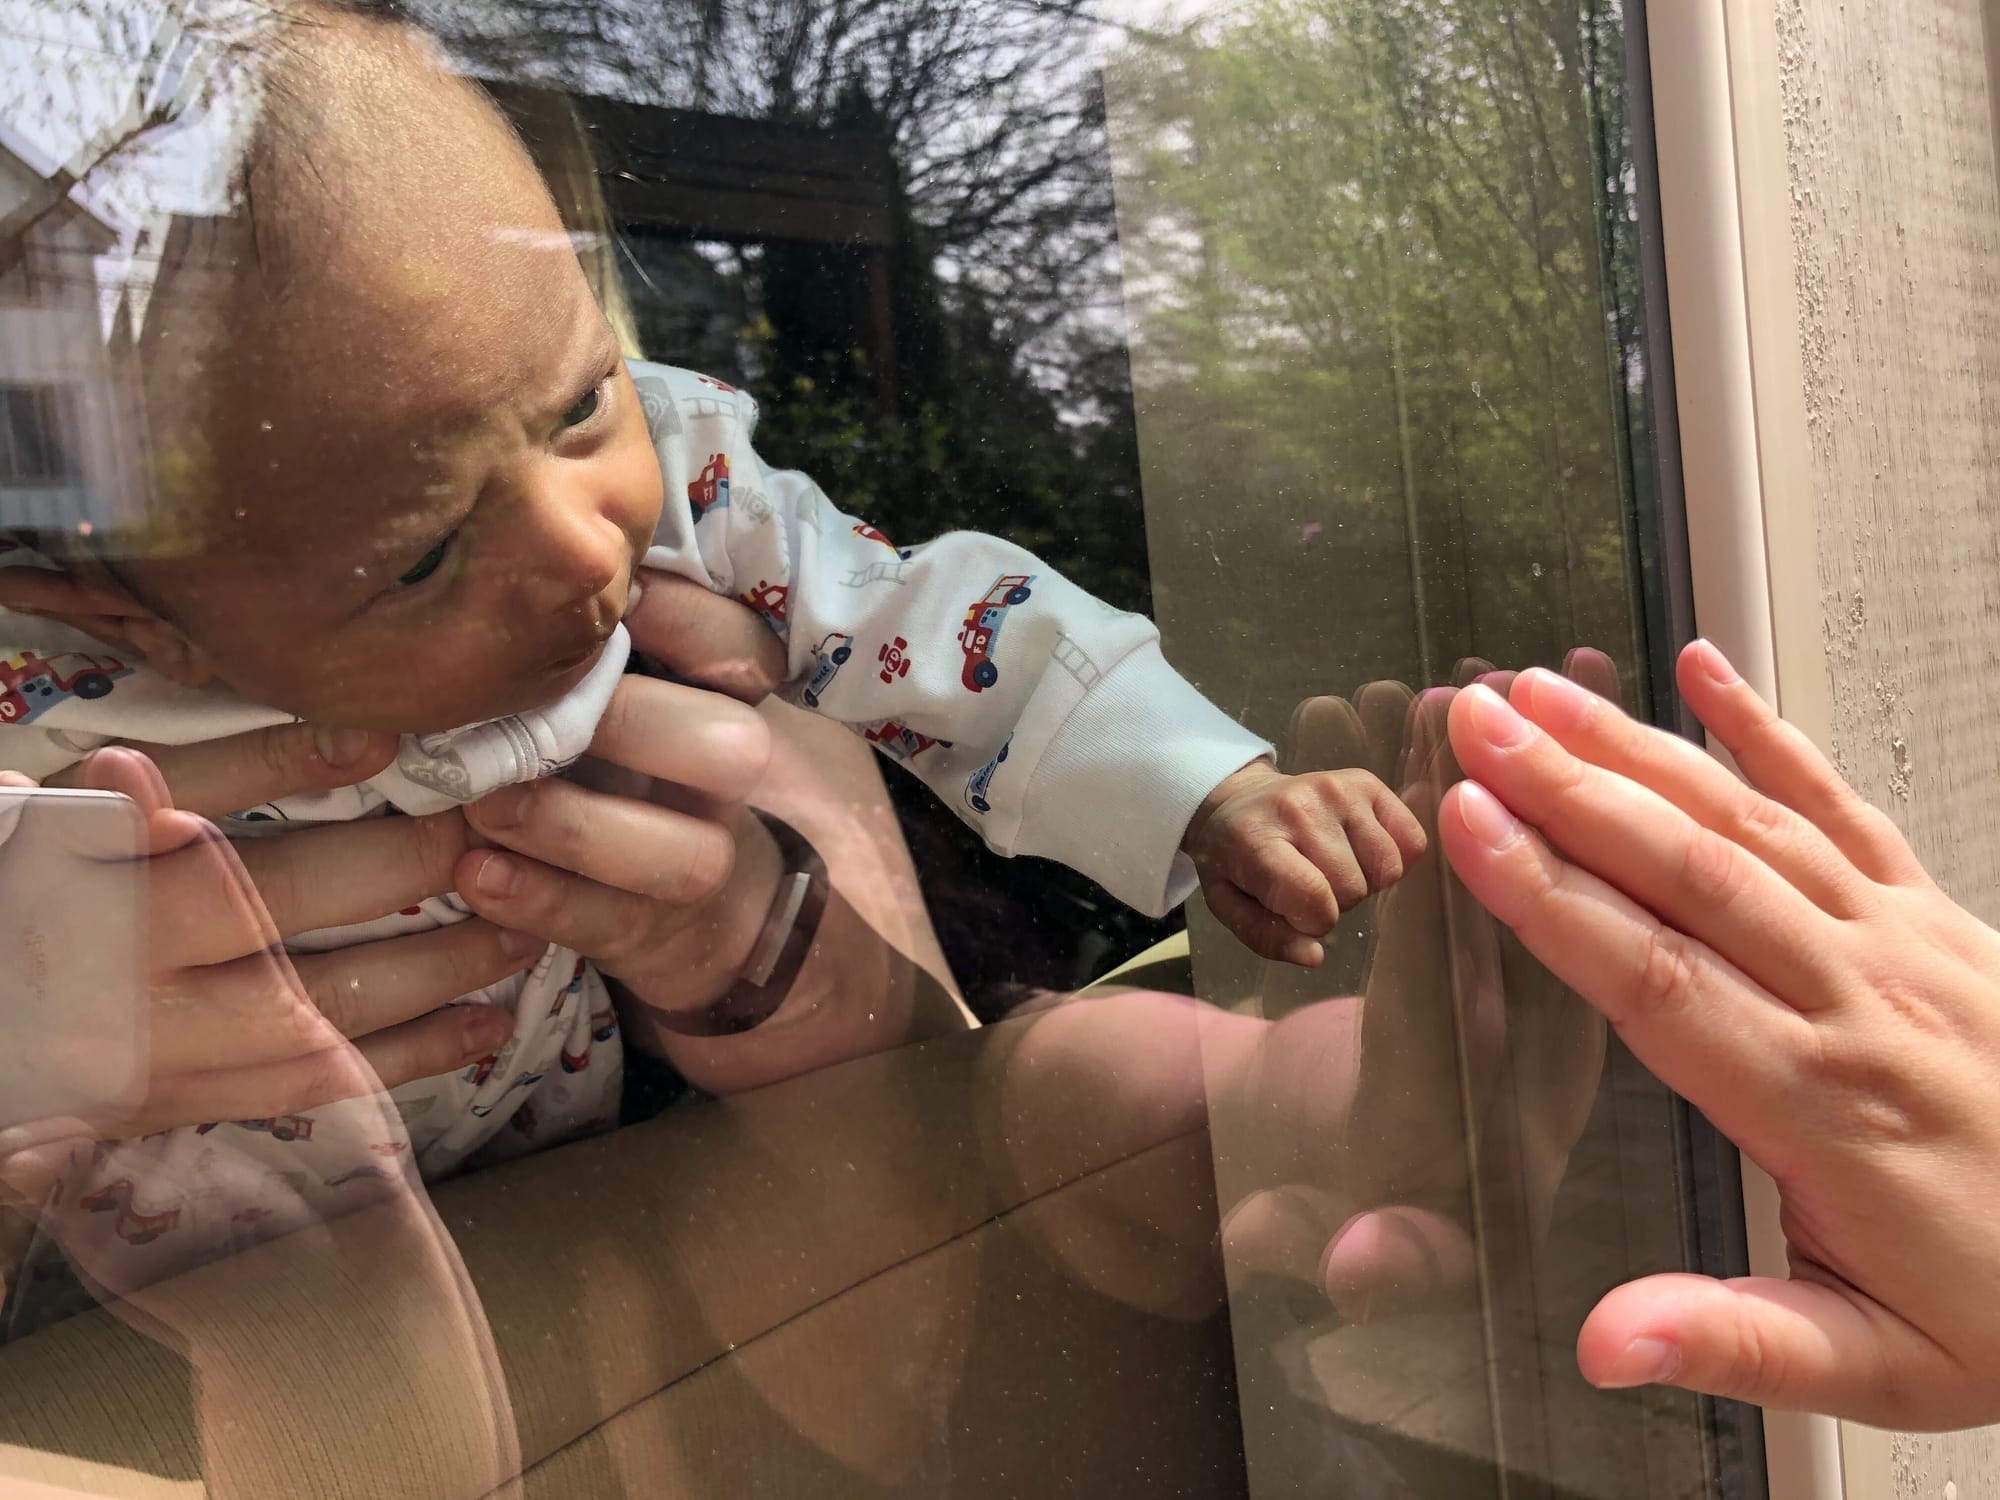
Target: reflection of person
235 1037
1776 953
425 508
1337 1130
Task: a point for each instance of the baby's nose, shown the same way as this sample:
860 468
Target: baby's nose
576 558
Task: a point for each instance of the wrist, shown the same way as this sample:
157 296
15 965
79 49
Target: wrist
735 920
1231 786
765 980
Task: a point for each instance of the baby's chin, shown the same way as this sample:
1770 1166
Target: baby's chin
394 708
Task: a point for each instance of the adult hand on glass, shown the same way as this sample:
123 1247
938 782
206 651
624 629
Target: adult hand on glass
1776 953
1373 1204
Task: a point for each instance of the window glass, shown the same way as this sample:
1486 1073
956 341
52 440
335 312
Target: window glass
847 1093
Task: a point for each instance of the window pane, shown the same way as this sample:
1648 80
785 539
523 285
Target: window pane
914 1134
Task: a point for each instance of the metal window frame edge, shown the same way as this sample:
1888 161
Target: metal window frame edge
1725 209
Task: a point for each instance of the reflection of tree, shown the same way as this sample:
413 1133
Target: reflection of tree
1370 249
1380 238
1014 410
989 108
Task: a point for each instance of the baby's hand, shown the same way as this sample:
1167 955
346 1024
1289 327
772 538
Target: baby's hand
1281 857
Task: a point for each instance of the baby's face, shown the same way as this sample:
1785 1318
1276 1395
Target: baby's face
428 477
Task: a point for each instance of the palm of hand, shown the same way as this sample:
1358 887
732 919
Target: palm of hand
1354 1144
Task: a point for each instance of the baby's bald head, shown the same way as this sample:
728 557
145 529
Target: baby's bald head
378 190
368 354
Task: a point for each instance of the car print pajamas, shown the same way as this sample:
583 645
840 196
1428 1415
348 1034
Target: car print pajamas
1045 718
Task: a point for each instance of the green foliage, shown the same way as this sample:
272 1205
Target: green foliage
1389 287
1380 276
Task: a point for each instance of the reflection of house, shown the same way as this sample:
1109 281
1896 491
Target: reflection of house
65 453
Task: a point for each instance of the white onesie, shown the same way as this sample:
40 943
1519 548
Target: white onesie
1045 718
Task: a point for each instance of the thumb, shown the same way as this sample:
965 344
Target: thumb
1396 1260
1787 1344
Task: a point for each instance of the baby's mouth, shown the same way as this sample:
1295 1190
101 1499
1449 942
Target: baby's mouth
577 658
603 631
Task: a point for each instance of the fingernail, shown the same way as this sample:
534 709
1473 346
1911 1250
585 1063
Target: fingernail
1645 1361
498 876
1714 664
636 593
486 1031
1305 952
1494 719
521 944
341 748
1559 703
504 808
1485 818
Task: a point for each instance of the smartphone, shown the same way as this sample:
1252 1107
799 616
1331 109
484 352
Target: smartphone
74 1008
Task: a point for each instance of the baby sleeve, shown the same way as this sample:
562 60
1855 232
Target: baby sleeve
1043 717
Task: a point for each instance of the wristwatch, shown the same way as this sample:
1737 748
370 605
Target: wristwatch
778 954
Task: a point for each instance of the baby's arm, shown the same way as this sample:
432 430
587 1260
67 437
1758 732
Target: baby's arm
1281 857
1043 717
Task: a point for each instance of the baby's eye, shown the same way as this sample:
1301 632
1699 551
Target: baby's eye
428 564
584 410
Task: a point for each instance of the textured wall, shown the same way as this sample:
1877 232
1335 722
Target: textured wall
1896 224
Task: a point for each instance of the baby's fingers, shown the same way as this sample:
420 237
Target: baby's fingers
1309 884
1265 934
1402 826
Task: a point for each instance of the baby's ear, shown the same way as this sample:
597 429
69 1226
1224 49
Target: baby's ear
105 612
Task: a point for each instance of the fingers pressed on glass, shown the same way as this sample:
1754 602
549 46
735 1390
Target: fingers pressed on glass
1788 768
1384 708
1469 669
1695 782
1327 734
1281 1232
1793 1344
1427 755
1395 1260
1591 668
1703 1025
1700 882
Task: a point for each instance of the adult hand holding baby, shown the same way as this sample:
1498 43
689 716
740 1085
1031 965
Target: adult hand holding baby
236 1031
648 861
241 1032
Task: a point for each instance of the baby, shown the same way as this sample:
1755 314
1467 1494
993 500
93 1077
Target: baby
405 481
